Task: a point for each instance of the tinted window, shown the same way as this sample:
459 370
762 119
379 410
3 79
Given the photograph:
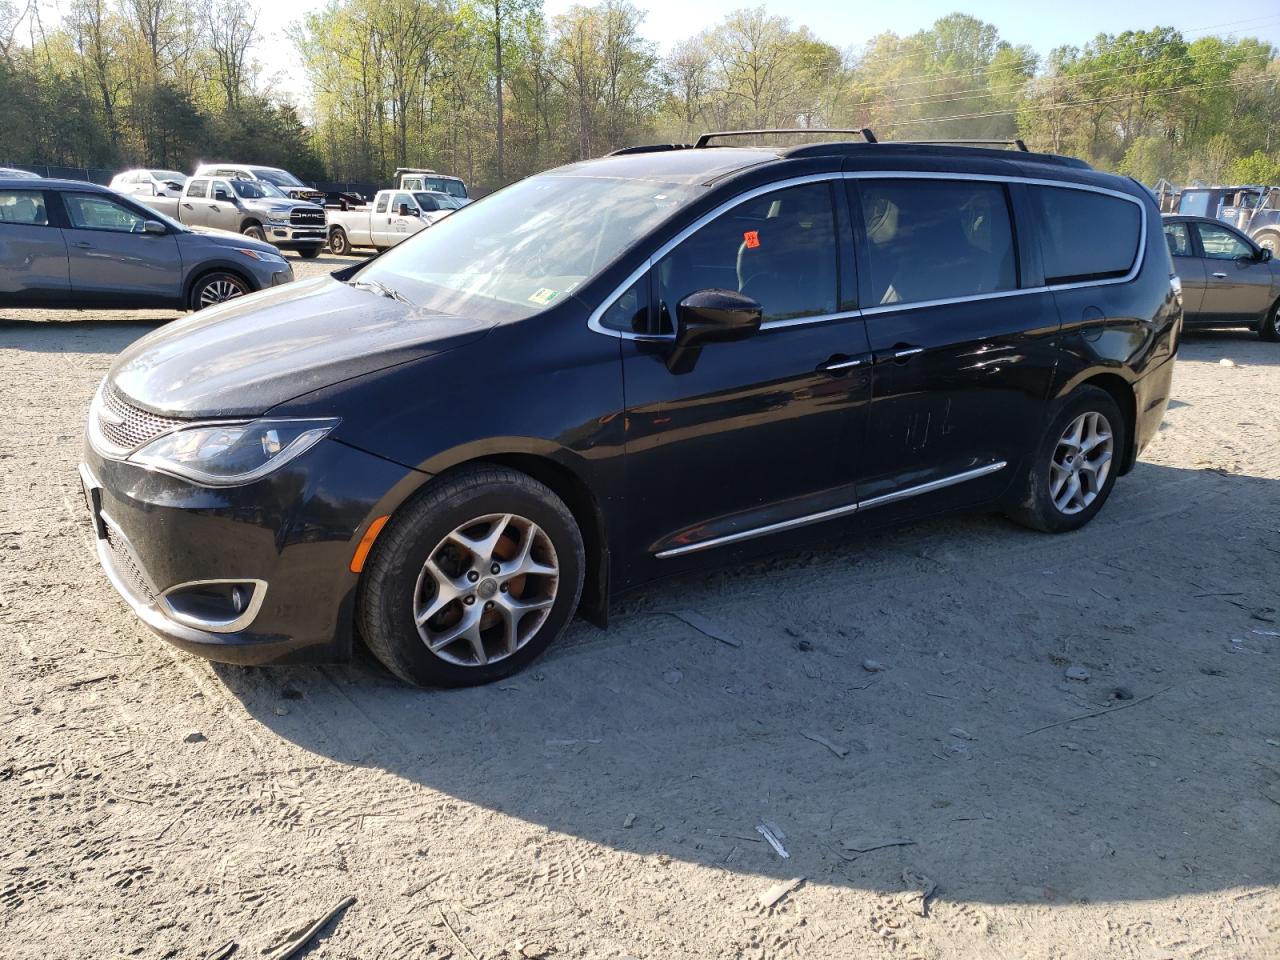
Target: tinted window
630 312
936 239
382 203
1221 244
1086 235
198 188
23 206
427 202
93 211
220 186
1179 240
455 188
779 249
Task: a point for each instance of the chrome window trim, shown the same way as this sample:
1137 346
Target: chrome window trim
846 510
594 324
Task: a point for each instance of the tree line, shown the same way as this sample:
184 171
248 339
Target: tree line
493 90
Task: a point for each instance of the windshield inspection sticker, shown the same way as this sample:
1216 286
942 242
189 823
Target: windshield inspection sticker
752 237
543 295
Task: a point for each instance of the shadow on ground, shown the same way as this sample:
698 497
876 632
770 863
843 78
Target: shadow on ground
654 738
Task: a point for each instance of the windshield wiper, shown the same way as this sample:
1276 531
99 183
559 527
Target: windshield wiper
380 288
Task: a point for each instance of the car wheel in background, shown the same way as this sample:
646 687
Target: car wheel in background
308 253
338 243
1269 240
472 579
1270 329
217 287
254 232
1073 469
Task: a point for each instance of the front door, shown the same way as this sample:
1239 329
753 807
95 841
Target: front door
964 348
757 436
401 226
1238 285
112 259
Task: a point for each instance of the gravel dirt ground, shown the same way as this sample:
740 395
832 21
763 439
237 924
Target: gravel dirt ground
607 803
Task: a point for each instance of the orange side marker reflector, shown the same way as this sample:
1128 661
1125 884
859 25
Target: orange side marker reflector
366 543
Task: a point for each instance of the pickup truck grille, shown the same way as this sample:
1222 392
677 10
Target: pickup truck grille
127 426
307 218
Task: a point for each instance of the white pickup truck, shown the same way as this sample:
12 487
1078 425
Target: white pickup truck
393 216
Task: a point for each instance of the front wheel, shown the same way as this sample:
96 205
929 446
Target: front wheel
308 253
254 232
1270 329
472 580
339 245
216 287
1074 466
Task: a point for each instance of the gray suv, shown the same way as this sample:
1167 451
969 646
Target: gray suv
65 243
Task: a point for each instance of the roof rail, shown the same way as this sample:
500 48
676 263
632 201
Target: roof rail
1017 144
706 138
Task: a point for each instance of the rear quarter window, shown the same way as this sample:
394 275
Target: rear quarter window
1086 235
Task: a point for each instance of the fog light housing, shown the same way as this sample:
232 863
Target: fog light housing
218 606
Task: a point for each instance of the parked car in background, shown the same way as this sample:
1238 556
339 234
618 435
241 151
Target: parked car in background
416 178
1227 279
394 216
625 369
254 208
149 183
13 173
282 180
64 243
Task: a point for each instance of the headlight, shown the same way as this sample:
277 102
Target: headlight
278 217
260 255
227 454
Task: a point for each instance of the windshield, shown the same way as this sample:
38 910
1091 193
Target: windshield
281 178
255 189
527 246
445 201
167 175
455 188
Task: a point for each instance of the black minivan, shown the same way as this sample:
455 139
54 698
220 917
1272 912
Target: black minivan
623 369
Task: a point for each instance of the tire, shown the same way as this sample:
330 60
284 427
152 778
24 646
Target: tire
308 253
1035 505
217 287
338 243
1268 240
1269 329
254 232
397 589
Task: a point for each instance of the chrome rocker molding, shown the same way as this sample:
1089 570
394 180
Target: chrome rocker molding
831 514
594 321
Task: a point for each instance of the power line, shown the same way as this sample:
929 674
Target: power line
1085 103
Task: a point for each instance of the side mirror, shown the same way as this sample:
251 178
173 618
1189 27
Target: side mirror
1264 255
154 226
711 316
222 195
404 211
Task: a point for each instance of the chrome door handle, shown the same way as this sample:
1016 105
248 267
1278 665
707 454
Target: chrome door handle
83 245
1220 276
898 354
835 365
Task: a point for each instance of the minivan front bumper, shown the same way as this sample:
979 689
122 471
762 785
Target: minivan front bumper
256 574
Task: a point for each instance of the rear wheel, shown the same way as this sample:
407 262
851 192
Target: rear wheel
338 242
216 287
1073 470
472 580
254 232
1270 329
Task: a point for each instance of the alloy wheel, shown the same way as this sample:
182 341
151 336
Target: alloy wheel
220 290
486 589
1081 462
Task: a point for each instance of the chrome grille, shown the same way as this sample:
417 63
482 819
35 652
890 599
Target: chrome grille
128 568
127 426
301 217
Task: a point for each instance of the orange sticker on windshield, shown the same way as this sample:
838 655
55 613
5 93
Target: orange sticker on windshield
753 239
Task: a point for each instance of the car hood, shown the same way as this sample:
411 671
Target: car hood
228 238
276 206
243 357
